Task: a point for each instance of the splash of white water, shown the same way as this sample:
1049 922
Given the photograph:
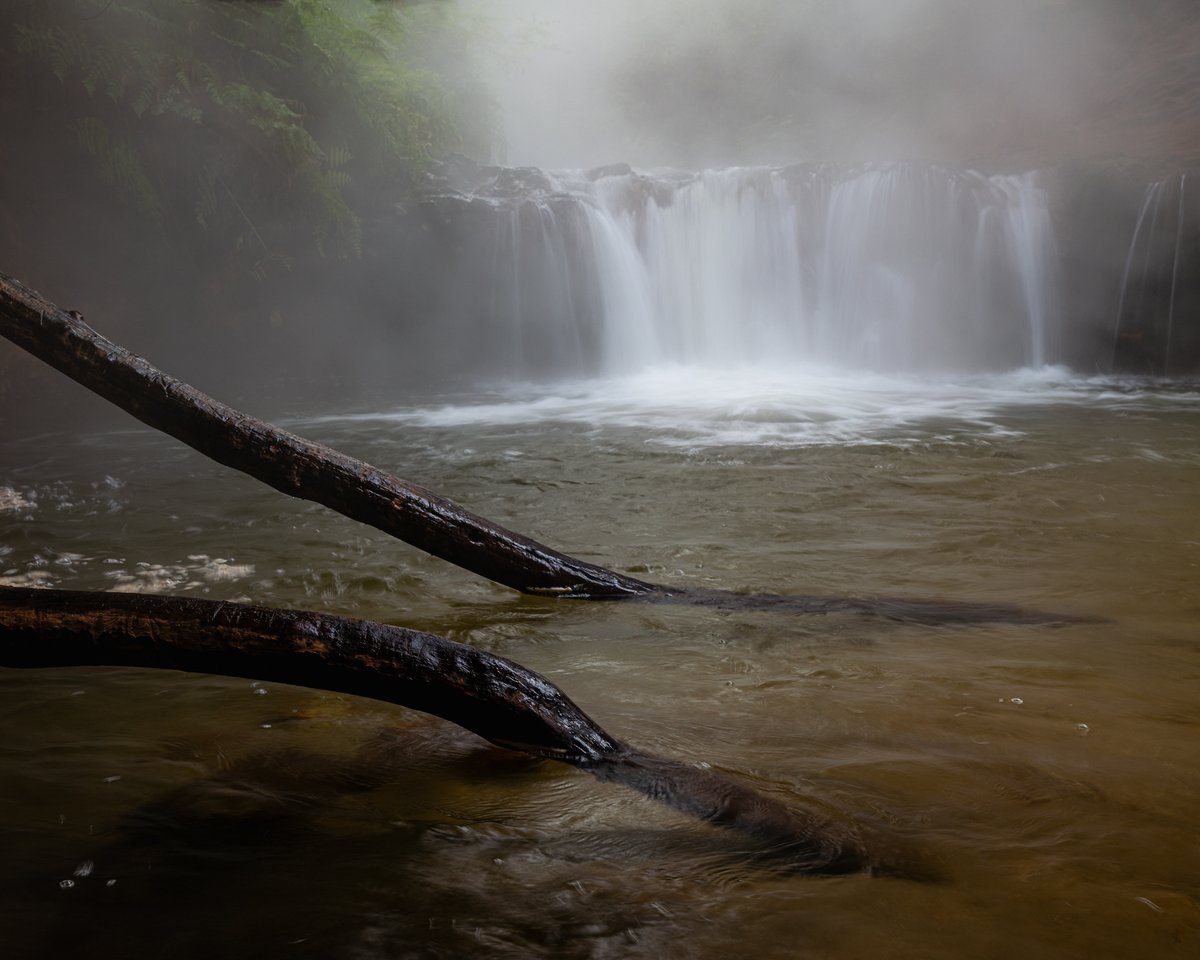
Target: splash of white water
775 405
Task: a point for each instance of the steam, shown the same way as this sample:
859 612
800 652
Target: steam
720 82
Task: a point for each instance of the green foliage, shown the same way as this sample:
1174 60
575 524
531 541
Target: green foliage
265 129
119 165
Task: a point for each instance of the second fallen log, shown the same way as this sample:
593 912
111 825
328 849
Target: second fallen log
490 695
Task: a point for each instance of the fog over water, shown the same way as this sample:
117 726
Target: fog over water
1009 90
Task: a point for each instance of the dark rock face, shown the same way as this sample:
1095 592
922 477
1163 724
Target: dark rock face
610 170
1130 247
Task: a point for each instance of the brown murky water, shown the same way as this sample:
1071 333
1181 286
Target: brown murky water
1052 772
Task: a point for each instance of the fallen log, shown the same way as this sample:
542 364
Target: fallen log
311 471
292 464
493 697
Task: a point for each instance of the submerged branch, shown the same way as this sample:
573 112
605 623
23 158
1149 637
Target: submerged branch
489 695
311 471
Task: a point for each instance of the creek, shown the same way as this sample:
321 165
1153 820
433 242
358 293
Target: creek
864 412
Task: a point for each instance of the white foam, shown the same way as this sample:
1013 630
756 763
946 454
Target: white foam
792 406
162 578
13 501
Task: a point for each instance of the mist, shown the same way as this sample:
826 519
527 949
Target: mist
721 82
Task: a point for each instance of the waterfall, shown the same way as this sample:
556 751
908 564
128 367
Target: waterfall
1174 275
895 268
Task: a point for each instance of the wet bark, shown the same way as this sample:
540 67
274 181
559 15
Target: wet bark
489 695
311 471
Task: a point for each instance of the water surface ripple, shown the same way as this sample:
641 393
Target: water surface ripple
1052 774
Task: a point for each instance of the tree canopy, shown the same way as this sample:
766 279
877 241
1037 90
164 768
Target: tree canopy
249 132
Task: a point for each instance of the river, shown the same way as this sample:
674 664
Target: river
1051 773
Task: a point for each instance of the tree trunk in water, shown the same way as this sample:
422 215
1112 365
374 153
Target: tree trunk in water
490 695
312 471
293 465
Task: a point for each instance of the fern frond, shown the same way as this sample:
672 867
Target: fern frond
119 164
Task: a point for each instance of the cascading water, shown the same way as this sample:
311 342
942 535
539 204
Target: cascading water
896 268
